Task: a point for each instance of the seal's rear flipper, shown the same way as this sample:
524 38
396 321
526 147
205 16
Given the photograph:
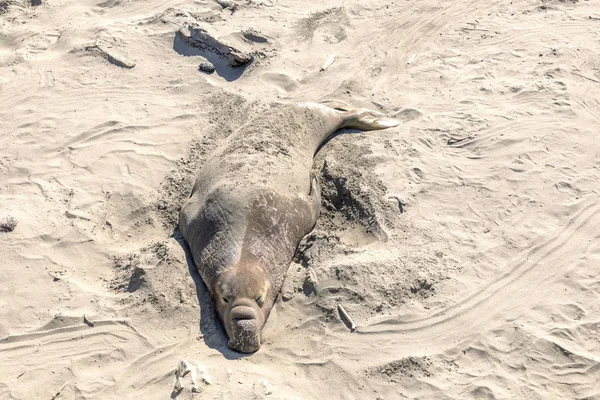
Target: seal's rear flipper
368 120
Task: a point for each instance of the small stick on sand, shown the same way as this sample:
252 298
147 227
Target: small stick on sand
586 77
411 59
59 391
345 316
330 60
87 321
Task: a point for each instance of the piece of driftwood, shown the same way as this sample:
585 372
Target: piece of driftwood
204 40
344 315
330 60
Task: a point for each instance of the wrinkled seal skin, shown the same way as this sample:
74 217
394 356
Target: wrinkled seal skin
252 203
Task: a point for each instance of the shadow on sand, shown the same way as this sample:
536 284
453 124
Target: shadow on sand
222 67
211 328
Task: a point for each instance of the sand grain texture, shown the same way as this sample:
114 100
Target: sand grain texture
464 244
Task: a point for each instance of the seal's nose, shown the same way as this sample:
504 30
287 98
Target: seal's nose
242 313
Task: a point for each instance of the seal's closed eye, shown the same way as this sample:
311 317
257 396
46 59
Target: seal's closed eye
225 300
259 300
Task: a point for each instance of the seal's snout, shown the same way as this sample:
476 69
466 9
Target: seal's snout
245 336
245 329
242 313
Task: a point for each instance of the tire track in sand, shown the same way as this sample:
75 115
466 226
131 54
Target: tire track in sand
504 299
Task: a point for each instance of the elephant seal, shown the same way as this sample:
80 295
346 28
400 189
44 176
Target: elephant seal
253 201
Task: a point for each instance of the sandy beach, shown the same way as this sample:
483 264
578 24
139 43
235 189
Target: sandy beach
464 243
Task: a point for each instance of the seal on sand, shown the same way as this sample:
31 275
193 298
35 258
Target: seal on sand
253 201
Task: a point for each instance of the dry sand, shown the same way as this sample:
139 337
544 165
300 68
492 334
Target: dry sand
464 243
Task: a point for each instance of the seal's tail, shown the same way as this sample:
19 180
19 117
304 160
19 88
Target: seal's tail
367 120
337 116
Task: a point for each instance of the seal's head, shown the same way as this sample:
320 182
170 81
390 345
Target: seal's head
243 302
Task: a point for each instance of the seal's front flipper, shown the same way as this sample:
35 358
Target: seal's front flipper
368 120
